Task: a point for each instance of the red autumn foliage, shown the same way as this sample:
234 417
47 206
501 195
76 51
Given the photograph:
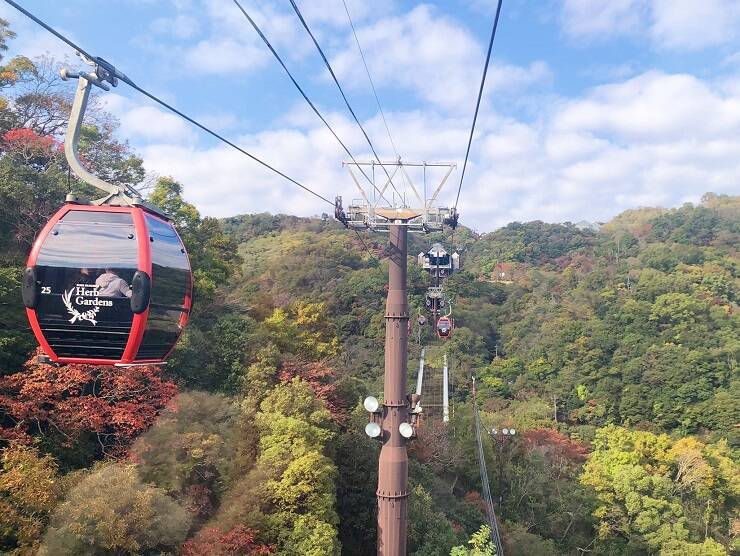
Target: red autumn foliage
320 377
199 500
433 446
562 453
30 144
114 403
474 498
238 541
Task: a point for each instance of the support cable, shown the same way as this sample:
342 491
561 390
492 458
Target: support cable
477 104
365 245
159 101
228 142
369 77
490 511
302 92
341 91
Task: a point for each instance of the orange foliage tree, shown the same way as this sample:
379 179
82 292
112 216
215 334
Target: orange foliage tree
115 404
33 148
563 454
321 378
238 541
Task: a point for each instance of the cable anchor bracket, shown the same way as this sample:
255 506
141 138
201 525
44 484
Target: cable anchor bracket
452 219
339 211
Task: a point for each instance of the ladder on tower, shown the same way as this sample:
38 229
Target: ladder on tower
433 389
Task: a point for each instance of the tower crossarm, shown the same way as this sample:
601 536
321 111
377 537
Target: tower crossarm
424 217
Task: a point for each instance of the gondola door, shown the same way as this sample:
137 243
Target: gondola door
171 294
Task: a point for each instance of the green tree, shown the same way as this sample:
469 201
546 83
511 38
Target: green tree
113 512
357 466
303 330
191 452
683 548
430 532
29 489
480 543
15 339
649 486
107 157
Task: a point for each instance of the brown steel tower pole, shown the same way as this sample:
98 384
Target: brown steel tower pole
391 424
393 464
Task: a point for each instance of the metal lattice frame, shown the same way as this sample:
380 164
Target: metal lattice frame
419 215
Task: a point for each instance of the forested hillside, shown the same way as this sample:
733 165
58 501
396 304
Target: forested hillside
614 354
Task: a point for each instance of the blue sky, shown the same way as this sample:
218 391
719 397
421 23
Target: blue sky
592 106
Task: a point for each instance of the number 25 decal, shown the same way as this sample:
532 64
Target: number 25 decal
45 289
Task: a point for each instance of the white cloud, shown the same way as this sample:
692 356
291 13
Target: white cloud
687 24
223 182
430 54
589 157
181 26
619 146
590 18
151 123
147 123
219 121
33 41
670 24
214 37
653 106
281 28
332 11
219 56
732 59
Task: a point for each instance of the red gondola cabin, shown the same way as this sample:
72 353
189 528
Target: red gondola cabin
107 285
444 327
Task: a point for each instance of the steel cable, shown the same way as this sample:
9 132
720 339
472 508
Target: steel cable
487 498
477 104
159 101
369 77
341 91
303 93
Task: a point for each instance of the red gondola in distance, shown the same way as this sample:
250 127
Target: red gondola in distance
107 285
444 327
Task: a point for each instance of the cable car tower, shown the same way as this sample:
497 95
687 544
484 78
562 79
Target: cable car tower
387 209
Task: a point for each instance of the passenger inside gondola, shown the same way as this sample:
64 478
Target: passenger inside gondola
84 276
111 285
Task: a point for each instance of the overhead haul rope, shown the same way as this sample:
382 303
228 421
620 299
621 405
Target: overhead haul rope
477 104
305 96
365 245
369 77
169 107
490 512
159 101
336 81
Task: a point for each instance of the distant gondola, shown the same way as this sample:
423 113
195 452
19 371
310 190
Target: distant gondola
444 327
